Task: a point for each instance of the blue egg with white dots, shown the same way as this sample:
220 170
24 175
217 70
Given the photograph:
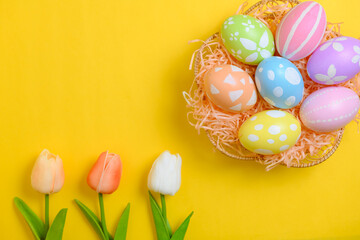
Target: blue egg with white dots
279 82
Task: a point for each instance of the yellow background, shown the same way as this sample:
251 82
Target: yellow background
81 77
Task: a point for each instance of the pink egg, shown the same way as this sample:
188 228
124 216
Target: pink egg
329 109
301 30
230 88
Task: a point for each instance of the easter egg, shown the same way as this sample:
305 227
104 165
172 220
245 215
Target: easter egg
247 39
279 82
301 30
270 132
335 61
329 109
230 88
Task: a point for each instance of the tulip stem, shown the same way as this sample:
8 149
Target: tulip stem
46 211
163 208
163 205
102 211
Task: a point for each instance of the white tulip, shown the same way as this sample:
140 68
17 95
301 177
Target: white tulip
165 174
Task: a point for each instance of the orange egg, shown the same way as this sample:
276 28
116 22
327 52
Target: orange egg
230 88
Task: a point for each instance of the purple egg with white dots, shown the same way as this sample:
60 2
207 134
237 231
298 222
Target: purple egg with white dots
335 61
279 82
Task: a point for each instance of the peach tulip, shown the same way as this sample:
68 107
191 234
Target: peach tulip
48 173
104 176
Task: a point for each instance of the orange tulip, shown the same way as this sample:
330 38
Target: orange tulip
104 176
48 173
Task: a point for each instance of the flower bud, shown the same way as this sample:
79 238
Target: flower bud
48 173
165 174
104 176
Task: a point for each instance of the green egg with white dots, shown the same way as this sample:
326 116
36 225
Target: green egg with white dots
270 132
247 39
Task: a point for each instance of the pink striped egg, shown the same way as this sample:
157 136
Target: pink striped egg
329 109
301 31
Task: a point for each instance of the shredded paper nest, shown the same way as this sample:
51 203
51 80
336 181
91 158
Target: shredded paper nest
222 127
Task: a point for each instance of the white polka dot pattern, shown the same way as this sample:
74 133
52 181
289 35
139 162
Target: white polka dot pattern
280 82
292 76
278 91
253 137
258 84
283 137
285 147
270 132
293 127
290 101
271 75
274 129
275 113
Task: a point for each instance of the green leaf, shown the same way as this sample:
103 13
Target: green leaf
155 201
168 227
121 229
92 218
180 232
57 227
160 224
36 225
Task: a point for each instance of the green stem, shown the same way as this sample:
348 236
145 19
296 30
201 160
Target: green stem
102 211
163 205
163 209
46 212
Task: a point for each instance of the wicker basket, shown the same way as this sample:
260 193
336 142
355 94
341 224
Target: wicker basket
309 161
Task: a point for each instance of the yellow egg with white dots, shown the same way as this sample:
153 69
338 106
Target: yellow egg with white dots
270 132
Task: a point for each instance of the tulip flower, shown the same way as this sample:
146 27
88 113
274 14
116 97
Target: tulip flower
165 178
47 177
104 178
165 174
47 174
